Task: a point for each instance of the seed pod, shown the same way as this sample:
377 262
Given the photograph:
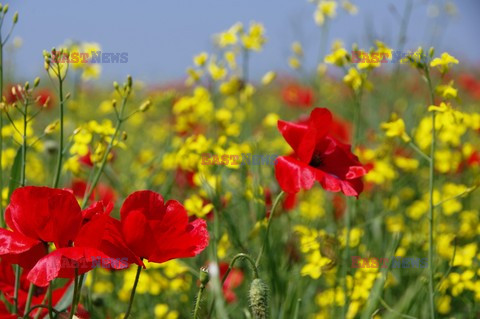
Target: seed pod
145 106
259 299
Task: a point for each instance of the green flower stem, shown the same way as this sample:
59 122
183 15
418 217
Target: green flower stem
74 297
352 203
269 223
50 300
120 121
230 267
197 303
60 148
232 264
419 151
132 295
29 299
18 272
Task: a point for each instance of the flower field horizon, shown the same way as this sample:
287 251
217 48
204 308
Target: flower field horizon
348 190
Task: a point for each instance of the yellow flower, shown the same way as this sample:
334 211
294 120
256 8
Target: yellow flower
325 9
396 128
443 62
255 38
229 37
269 77
381 173
294 63
231 87
442 108
349 7
216 71
230 57
443 304
271 120
297 48
406 163
313 267
194 206
447 91
193 76
353 79
200 59
338 57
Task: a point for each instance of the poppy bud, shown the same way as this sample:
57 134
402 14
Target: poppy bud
36 82
15 18
129 81
115 85
26 86
259 299
5 9
204 276
431 52
114 103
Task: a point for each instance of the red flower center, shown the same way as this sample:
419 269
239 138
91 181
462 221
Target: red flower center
316 160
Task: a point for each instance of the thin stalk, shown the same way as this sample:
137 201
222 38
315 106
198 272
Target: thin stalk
74 297
352 204
197 303
245 66
24 147
232 264
50 300
29 298
269 223
132 295
60 148
230 267
431 206
18 272
91 187
297 308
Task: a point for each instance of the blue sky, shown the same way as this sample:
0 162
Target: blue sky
161 36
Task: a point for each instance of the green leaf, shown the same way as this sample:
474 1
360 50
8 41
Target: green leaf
15 173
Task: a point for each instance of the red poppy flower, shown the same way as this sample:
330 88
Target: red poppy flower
160 231
99 243
234 279
102 192
40 215
12 93
318 156
45 98
296 95
470 84
37 216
